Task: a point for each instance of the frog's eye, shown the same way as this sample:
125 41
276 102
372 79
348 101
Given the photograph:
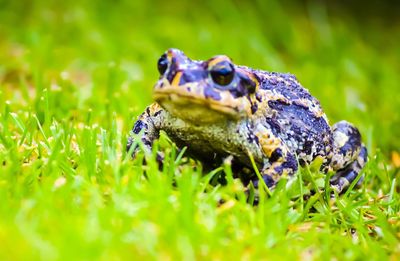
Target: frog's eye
222 73
162 64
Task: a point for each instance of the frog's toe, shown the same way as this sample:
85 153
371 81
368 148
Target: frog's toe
268 180
283 166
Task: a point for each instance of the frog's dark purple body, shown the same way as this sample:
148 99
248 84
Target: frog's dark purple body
216 108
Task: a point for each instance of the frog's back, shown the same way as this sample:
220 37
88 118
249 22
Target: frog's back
294 115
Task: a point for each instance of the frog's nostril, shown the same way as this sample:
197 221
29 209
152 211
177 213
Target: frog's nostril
175 52
177 57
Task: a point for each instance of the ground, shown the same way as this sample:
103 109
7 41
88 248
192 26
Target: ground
74 76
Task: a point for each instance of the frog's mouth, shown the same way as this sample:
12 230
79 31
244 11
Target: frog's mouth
194 108
188 100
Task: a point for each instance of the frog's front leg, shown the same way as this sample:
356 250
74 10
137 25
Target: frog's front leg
147 127
278 160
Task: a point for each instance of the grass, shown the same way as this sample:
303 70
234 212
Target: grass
73 77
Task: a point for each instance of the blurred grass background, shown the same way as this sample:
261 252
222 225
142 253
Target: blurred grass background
75 74
348 61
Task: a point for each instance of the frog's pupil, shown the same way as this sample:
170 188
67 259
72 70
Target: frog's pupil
223 73
162 65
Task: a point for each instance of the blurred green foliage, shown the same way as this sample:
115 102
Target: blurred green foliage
350 65
75 74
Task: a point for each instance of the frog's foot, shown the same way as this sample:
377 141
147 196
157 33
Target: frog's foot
272 173
349 156
283 166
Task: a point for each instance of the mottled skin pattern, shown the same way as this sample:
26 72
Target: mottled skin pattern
217 109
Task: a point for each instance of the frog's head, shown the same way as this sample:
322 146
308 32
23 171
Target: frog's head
204 91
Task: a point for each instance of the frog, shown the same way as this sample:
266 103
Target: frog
261 120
